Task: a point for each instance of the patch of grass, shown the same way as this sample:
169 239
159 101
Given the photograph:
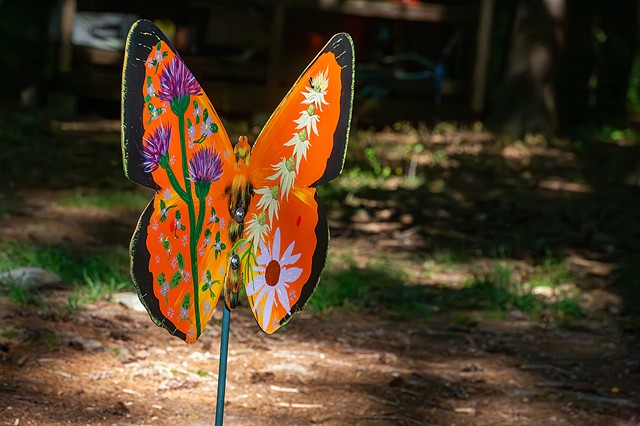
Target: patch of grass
380 285
92 275
498 290
21 296
107 199
552 272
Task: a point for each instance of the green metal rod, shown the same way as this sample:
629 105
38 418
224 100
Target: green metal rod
222 369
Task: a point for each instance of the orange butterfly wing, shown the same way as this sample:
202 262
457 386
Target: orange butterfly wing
173 141
302 145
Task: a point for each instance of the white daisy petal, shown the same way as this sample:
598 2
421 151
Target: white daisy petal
268 306
283 297
255 285
290 275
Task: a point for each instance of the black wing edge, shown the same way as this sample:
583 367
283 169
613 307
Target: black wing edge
142 277
143 36
341 45
317 263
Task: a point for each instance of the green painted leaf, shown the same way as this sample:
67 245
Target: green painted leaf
189 124
159 45
175 280
180 261
186 302
214 127
161 279
205 115
197 119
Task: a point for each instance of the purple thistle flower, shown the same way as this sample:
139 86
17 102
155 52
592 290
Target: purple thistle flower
156 147
205 166
176 81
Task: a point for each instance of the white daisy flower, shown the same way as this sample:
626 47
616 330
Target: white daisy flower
257 228
316 92
300 143
308 120
275 274
287 174
269 201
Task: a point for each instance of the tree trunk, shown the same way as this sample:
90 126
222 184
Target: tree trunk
527 102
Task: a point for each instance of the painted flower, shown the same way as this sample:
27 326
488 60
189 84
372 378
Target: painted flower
164 289
151 90
206 306
191 131
218 246
269 201
300 143
159 55
184 313
196 109
156 147
257 227
285 171
308 120
221 224
207 127
276 272
170 312
166 194
177 84
316 92
205 167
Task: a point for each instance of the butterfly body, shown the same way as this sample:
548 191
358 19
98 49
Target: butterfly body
229 215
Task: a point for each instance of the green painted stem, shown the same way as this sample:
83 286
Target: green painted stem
194 232
174 183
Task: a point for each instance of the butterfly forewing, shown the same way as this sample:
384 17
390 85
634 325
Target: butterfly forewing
174 142
302 145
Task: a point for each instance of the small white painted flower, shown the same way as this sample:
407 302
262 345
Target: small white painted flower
301 144
308 120
269 201
316 92
276 272
286 173
257 227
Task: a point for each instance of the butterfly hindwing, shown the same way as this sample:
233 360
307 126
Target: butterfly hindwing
302 145
173 141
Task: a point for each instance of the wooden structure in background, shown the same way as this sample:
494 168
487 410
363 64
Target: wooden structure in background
264 77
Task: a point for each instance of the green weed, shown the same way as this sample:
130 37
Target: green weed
551 272
93 276
107 199
21 296
378 286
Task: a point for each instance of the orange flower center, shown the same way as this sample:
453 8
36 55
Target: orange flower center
272 274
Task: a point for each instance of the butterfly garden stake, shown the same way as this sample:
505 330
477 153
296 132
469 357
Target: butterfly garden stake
229 215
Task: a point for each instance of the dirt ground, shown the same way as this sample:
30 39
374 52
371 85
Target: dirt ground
107 364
